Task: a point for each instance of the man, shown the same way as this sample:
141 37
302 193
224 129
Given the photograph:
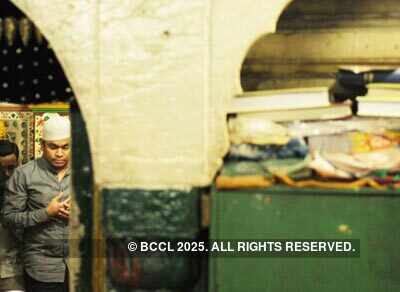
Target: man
37 200
11 278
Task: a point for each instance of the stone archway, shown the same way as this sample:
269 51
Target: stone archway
313 40
194 49
92 43
29 59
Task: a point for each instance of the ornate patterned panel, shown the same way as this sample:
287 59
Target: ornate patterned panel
24 126
20 130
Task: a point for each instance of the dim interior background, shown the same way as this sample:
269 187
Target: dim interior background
30 78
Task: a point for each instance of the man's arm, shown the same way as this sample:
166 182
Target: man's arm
15 213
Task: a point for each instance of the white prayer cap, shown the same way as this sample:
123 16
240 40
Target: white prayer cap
56 128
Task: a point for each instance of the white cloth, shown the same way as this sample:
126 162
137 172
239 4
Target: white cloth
56 128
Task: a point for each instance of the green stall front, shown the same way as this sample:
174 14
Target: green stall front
367 215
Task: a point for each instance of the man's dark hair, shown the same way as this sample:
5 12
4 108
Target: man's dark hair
8 148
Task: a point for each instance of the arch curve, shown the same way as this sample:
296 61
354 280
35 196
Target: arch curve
264 18
313 39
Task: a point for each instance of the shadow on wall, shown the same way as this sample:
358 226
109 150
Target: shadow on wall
312 42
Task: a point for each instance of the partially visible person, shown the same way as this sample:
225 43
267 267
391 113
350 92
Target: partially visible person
11 272
37 200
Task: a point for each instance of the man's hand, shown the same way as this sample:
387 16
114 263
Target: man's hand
67 203
66 207
57 208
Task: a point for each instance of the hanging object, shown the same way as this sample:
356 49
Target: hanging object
38 35
25 30
10 28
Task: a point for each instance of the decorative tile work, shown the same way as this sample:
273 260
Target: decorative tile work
24 127
20 131
138 213
40 118
142 214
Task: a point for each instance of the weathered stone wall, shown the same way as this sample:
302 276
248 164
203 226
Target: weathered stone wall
316 38
152 78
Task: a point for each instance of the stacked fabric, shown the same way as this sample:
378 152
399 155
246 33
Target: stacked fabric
352 149
382 100
339 153
298 145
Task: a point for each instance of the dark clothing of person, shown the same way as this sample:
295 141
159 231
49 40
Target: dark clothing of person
28 192
33 285
15 283
11 276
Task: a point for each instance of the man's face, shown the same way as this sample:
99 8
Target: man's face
8 163
57 152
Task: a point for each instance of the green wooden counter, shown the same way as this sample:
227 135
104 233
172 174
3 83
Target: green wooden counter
371 216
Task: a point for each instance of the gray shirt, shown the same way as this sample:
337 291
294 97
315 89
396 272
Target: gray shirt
28 193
